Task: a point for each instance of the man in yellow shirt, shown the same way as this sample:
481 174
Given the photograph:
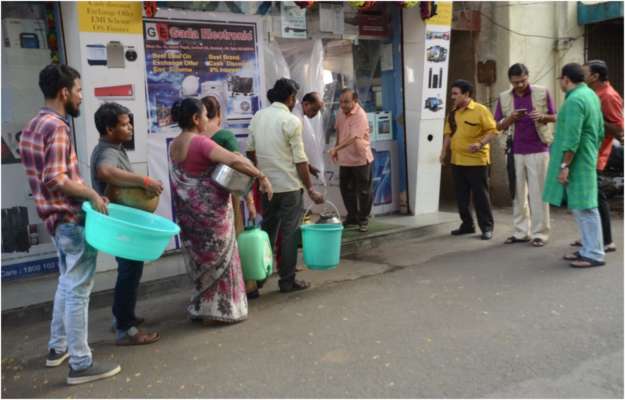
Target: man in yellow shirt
469 128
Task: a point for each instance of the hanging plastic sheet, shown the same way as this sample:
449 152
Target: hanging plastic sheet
302 61
277 68
367 54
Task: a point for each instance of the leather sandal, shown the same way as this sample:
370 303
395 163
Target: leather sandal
135 322
138 339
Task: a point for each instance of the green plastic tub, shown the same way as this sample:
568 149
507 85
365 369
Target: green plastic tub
128 232
322 245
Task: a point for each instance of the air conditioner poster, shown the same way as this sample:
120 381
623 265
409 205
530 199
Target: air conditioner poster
202 58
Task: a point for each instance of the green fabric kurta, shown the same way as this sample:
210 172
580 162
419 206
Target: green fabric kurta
227 140
579 129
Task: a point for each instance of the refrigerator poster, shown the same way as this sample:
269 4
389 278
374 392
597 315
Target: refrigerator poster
202 58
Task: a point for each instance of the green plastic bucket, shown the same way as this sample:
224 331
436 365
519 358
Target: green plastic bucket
322 245
128 232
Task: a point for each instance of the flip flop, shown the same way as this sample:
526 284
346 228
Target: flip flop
572 256
577 243
585 262
513 239
610 248
538 242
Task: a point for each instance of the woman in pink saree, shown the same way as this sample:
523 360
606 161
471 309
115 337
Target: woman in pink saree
204 212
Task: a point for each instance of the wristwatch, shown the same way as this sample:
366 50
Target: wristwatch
564 165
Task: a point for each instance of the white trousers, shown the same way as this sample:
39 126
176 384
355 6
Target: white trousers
530 213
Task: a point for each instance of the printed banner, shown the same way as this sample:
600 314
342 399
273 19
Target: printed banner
293 20
197 59
30 268
443 14
110 16
435 72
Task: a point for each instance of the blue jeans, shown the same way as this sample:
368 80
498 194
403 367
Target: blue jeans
589 224
128 277
77 263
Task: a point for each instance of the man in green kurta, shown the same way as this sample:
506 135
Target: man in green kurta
572 174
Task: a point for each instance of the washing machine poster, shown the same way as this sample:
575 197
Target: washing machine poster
435 76
198 59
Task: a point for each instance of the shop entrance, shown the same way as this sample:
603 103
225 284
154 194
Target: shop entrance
461 66
604 41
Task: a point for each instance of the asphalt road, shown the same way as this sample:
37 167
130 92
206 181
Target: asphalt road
442 317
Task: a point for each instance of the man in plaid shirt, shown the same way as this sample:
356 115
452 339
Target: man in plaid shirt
51 165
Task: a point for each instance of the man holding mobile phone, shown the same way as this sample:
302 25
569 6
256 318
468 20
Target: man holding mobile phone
526 112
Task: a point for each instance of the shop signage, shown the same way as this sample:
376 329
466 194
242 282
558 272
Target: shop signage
198 59
110 16
29 268
372 24
443 14
331 18
293 21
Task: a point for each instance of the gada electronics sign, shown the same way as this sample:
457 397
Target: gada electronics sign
161 31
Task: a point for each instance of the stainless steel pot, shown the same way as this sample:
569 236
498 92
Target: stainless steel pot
329 218
232 180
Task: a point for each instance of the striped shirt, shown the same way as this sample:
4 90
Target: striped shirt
49 159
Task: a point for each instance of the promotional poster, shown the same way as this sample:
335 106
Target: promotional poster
198 59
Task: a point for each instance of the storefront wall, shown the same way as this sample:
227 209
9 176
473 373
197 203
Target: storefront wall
103 53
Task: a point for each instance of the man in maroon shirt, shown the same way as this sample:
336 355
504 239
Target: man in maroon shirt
596 76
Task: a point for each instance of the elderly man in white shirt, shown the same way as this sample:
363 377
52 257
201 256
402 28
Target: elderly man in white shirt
308 112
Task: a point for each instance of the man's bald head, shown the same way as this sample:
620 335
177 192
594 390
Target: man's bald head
311 104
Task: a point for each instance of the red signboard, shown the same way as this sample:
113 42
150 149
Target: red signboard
370 24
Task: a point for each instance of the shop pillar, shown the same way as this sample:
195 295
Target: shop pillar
426 61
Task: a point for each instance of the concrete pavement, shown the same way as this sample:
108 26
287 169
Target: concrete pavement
427 317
